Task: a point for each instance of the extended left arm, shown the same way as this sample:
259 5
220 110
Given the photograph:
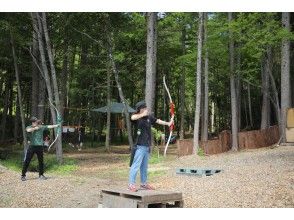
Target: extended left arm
52 126
159 121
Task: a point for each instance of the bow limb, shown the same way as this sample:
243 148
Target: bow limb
58 121
172 115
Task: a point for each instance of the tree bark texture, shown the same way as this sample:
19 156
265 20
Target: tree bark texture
19 94
198 85
151 60
285 75
234 119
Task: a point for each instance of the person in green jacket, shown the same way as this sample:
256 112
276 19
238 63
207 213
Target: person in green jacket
36 146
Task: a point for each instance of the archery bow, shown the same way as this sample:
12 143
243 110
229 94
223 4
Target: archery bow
172 113
59 122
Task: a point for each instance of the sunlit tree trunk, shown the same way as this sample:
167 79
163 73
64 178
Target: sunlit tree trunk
234 119
285 75
198 85
151 60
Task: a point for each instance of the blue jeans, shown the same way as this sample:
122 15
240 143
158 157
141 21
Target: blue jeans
141 159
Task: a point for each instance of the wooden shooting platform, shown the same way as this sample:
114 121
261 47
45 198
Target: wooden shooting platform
118 198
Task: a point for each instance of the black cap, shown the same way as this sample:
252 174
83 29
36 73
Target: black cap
140 105
33 119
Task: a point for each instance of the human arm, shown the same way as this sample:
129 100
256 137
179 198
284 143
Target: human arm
161 122
52 126
137 116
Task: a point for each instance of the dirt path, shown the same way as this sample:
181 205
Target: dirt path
255 178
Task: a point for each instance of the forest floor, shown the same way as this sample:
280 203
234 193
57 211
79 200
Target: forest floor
253 178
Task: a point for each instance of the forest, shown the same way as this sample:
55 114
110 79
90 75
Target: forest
225 71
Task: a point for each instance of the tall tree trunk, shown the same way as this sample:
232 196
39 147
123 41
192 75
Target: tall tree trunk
107 138
212 117
151 60
238 90
198 85
16 120
64 78
5 109
182 88
204 135
249 105
55 86
37 26
35 78
285 75
245 112
19 93
234 118
119 87
265 110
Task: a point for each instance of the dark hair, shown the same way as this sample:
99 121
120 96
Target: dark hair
140 105
33 119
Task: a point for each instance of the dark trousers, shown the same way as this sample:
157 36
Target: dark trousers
28 157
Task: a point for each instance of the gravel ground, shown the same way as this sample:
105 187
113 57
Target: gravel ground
253 178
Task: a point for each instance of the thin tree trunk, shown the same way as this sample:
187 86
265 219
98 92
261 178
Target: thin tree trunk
64 79
5 109
107 139
151 60
238 90
120 91
212 117
182 88
16 120
249 105
234 122
285 75
265 120
55 86
19 93
198 85
205 110
35 78
245 112
276 100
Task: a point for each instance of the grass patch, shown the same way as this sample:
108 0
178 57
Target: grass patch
14 162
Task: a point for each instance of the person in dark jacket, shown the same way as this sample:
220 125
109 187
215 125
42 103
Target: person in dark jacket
144 120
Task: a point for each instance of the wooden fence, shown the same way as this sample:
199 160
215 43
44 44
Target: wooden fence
247 140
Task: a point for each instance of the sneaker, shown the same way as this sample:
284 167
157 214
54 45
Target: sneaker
42 177
147 187
23 178
132 188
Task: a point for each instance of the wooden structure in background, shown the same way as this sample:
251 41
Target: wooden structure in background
247 140
290 126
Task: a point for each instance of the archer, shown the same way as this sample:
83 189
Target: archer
144 122
36 146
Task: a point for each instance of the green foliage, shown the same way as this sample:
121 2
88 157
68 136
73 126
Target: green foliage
157 134
200 152
81 38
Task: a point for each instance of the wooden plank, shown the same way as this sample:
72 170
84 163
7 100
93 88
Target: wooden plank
113 201
290 118
146 196
290 135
